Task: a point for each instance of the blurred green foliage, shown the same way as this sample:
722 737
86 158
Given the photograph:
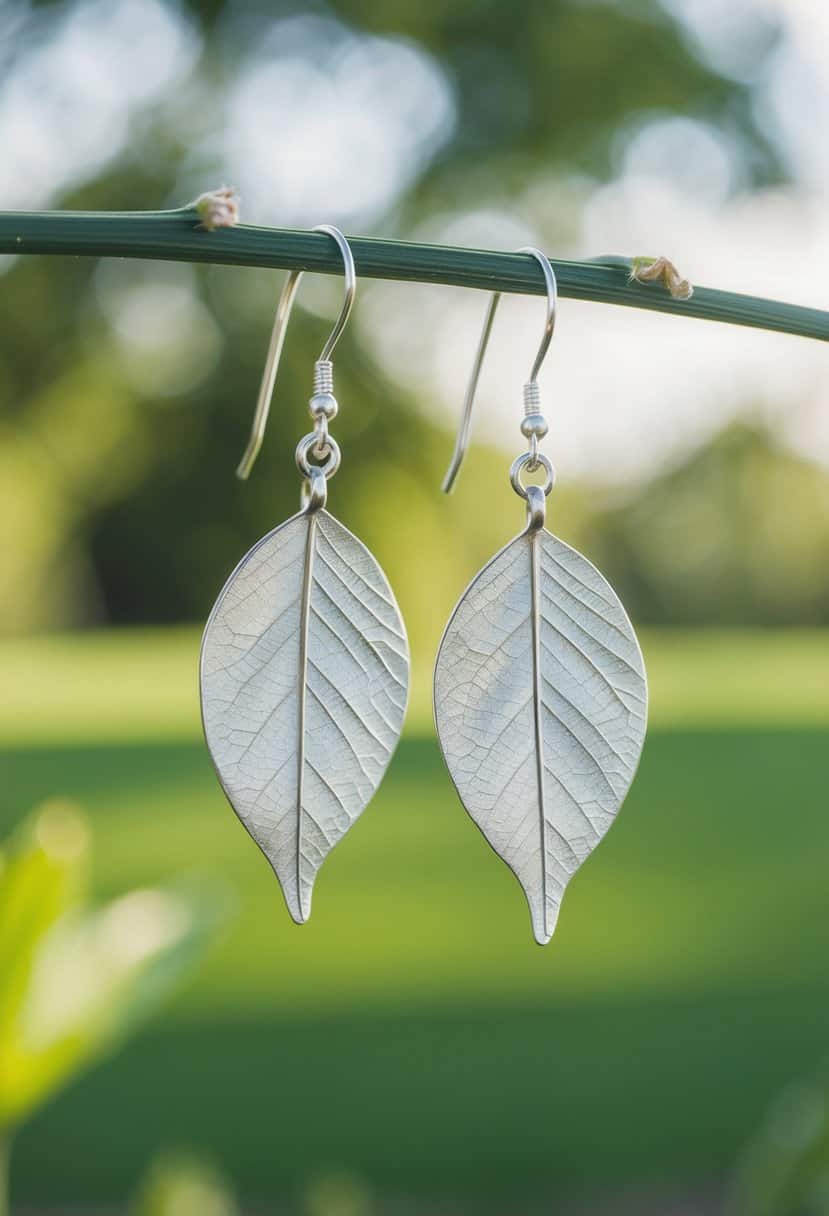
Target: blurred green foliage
412 1036
75 980
552 85
737 534
785 1168
117 495
411 1042
184 1184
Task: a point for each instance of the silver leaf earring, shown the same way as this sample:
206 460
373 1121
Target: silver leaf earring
540 696
304 660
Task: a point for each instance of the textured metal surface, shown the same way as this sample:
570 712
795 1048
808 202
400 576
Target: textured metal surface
540 707
304 679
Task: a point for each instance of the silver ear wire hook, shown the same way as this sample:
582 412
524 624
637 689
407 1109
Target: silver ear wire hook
531 394
322 369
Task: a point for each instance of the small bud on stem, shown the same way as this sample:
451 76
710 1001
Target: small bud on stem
217 208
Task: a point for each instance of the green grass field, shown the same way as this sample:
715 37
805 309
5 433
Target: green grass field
412 1034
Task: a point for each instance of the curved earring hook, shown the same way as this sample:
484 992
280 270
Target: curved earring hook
280 325
531 387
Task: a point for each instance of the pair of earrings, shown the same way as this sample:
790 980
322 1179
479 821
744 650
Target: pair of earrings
539 690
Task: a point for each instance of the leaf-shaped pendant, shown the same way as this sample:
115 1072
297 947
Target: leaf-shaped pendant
304 680
540 704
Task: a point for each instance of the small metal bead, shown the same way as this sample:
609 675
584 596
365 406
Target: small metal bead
534 424
323 405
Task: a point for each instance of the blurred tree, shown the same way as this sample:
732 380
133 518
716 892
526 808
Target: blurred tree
738 534
126 390
546 89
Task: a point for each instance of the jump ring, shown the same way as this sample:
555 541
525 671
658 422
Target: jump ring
306 447
524 461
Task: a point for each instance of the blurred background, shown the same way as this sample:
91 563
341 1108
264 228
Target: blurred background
410 1050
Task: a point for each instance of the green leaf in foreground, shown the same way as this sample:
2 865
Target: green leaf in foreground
75 980
181 1184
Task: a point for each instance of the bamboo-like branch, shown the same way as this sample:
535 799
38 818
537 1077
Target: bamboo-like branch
177 236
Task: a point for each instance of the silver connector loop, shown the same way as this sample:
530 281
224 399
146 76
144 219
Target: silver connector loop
307 447
314 492
524 461
536 508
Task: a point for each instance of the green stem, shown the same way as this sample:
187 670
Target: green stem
5 1160
176 236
